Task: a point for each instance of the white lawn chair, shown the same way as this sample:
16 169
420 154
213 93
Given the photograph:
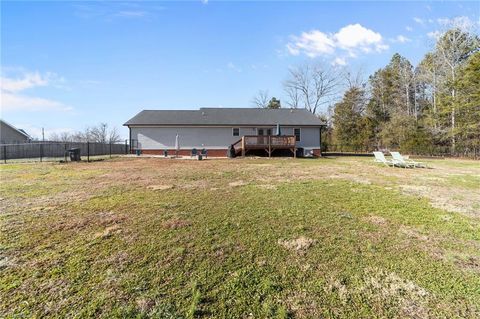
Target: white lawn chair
380 158
398 158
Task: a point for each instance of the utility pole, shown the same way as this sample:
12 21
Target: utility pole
43 134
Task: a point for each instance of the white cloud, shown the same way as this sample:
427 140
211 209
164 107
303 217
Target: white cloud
462 22
409 28
12 99
339 61
131 14
401 39
29 80
204 1
357 36
233 67
419 20
110 10
17 102
312 43
352 39
434 34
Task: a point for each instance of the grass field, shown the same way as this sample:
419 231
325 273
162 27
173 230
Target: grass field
243 238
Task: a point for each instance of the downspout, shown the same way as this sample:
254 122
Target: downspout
129 140
320 140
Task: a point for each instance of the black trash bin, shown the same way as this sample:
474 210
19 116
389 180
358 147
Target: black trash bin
74 154
231 152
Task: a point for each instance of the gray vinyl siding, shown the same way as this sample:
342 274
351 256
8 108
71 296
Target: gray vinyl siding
154 138
9 135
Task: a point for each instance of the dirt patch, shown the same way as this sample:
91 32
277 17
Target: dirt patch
383 287
392 285
451 199
377 220
471 263
413 233
176 223
299 245
108 231
159 187
303 305
195 184
145 304
237 183
351 177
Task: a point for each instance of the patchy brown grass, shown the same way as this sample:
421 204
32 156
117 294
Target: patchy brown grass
333 237
298 245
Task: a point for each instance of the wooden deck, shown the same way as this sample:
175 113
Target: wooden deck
268 143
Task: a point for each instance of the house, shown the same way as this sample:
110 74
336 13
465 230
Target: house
9 134
216 129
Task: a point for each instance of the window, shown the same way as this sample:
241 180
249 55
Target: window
260 131
236 131
296 132
269 131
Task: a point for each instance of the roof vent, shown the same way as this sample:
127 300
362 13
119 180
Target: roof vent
203 113
291 110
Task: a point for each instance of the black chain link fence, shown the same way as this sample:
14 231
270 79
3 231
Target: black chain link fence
58 151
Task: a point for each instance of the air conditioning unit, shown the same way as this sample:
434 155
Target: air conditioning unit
308 152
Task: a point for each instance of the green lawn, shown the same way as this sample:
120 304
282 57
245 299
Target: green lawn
243 238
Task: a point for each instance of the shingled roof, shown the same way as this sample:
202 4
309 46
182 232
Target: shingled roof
225 116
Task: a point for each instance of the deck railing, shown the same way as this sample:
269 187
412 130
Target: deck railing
267 142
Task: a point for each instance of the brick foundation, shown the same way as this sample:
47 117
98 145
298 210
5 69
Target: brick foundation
316 152
210 152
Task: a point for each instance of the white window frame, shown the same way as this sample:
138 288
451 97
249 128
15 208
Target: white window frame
233 131
300 134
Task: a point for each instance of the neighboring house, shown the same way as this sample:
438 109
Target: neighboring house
216 129
9 134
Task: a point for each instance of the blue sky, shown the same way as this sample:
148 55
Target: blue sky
68 65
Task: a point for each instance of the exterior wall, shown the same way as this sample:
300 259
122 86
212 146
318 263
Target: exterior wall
10 136
160 138
309 137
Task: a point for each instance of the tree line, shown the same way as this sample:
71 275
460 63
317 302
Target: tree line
432 108
100 133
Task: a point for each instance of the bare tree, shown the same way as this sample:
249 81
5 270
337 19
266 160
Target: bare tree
60 137
293 94
261 99
312 85
98 133
113 136
354 78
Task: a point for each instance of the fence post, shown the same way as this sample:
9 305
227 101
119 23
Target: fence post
110 151
88 151
5 154
65 153
126 147
41 151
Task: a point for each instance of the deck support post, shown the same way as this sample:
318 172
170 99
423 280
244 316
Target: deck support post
269 146
243 146
295 147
